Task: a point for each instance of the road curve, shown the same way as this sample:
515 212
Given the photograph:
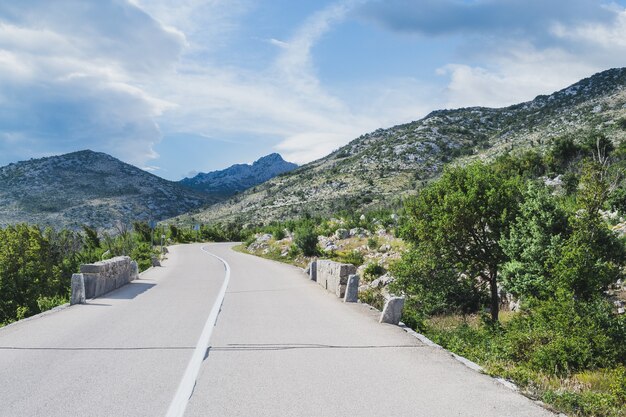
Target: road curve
123 354
285 347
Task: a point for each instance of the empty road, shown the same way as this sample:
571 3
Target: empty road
282 346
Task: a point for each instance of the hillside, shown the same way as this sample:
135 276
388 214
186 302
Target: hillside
88 188
381 166
239 177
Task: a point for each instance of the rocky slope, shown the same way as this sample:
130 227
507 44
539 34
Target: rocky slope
88 188
386 164
239 177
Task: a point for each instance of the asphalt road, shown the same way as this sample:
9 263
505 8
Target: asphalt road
282 346
123 354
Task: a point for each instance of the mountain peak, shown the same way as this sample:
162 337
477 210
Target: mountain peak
240 177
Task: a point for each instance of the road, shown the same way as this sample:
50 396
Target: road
282 346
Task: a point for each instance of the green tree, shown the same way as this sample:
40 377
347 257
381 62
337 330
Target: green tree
305 239
462 217
537 233
592 257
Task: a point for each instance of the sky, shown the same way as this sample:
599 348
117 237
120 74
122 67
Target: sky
178 87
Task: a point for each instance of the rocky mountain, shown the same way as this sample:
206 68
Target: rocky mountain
384 165
239 177
89 188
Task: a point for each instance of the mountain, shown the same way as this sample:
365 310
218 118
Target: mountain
239 177
90 188
387 164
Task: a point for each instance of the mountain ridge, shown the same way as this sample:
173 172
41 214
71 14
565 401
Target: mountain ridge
391 163
90 188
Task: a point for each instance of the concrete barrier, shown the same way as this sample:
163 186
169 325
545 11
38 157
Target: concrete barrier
333 276
100 278
392 312
352 289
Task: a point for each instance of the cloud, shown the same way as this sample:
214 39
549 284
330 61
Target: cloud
524 47
73 86
520 18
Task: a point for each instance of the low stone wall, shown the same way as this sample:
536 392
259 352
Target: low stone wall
102 277
333 276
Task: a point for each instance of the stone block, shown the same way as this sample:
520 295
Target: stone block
352 289
78 289
313 270
392 312
333 276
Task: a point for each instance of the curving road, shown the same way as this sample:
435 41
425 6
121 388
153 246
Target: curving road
281 347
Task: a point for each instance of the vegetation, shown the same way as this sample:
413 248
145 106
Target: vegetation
483 234
36 265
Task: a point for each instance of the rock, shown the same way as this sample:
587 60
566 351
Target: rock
384 248
376 283
155 261
394 217
264 238
165 250
359 232
342 234
330 248
284 253
362 217
392 312
386 279
352 289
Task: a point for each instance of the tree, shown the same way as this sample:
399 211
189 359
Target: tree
592 257
537 233
462 217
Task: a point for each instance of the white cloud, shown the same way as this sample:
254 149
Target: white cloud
73 86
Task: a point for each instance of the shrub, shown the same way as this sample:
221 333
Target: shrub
306 240
373 271
372 243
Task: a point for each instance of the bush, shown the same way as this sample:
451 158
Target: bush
305 240
563 336
353 257
373 271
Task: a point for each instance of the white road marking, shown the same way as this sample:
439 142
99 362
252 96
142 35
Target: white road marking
185 388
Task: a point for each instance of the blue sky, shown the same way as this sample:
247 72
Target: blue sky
181 86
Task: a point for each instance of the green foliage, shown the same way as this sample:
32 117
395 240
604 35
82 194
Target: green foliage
562 153
592 257
143 231
535 238
373 271
460 219
305 239
353 257
373 298
278 233
372 243
565 335
34 263
433 287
